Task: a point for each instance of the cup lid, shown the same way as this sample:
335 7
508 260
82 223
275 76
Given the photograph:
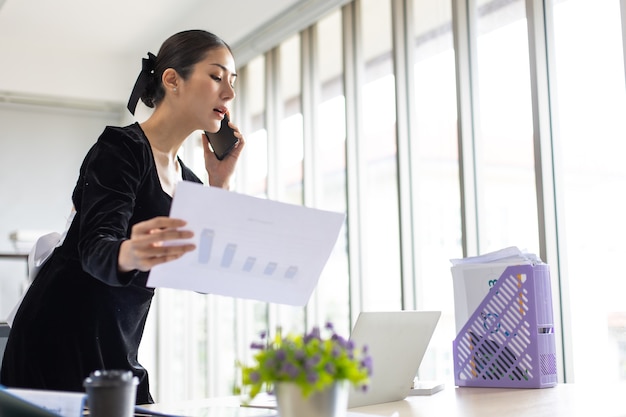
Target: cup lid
110 377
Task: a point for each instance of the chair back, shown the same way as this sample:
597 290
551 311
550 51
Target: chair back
4 336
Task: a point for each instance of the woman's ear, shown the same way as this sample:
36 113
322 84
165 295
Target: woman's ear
170 79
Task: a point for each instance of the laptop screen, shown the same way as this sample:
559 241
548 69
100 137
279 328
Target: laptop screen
397 342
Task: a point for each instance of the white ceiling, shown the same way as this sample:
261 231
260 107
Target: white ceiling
92 50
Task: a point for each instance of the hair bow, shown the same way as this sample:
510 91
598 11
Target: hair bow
146 74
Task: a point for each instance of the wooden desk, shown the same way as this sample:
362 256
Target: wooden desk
564 400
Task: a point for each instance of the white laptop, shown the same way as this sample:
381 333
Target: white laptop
397 342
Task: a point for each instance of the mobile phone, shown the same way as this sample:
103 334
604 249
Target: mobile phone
224 140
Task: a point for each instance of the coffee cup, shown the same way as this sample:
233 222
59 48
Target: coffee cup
111 393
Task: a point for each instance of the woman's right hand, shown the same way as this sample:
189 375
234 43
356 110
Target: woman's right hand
220 172
146 246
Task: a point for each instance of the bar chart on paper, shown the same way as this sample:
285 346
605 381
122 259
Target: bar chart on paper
249 247
231 258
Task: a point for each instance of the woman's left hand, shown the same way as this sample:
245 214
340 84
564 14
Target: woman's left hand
220 172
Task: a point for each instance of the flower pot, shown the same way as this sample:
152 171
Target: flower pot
332 402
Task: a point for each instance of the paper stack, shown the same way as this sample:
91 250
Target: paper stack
474 276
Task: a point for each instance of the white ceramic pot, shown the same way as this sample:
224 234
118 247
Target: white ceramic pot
332 402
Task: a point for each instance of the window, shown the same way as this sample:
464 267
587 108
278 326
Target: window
591 104
298 103
435 177
254 163
380 237
329 162
507 203
286 148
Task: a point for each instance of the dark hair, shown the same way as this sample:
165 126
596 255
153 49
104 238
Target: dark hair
180 52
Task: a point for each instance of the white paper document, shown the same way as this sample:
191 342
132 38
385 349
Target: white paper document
41 403
249 247
474 276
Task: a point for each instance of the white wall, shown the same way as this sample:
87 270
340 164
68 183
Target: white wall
41 149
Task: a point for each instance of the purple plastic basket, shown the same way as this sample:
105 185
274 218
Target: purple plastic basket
509 340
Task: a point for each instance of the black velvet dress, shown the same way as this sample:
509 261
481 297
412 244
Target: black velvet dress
80 314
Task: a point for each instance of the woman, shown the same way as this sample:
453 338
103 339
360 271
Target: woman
87 307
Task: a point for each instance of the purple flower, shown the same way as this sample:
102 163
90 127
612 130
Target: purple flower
281 355
312 361
367 363
314 334
343 343
290 370
330 368
255 377
257 346
312 377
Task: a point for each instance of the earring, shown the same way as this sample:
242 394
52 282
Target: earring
175 89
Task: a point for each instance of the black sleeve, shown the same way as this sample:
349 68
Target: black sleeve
110 179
